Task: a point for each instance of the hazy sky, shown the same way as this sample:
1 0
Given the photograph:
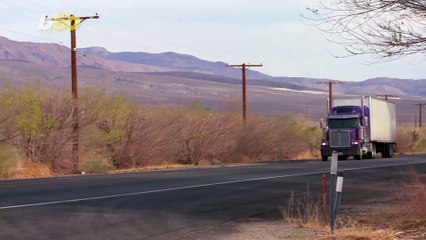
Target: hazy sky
233 31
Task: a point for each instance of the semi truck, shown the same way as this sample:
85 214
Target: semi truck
359 127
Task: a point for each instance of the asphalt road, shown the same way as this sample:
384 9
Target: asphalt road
199 203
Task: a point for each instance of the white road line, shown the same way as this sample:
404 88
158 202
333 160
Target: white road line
379 166
195 186
156 191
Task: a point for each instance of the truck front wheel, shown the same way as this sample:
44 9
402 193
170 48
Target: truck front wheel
359 156
372 154
324 158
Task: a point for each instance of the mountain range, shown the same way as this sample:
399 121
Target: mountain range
175 78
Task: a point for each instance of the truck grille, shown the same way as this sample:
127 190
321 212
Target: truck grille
340 138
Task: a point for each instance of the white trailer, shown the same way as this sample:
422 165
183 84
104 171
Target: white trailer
382 116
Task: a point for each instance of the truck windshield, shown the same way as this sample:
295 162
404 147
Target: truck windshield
343 123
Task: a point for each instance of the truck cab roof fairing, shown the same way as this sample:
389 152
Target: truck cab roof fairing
349 110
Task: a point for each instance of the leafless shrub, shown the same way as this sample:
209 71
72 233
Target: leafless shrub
131 135
8 111
411 140
37 124
199 135
407 139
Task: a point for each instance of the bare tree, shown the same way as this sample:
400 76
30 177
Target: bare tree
385 29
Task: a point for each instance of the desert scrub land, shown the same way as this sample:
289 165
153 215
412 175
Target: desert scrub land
118 134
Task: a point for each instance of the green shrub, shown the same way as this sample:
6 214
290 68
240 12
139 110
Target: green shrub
10 161
97 166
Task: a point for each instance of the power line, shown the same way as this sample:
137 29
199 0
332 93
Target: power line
17 6
117 36
40 5
30 35
145 33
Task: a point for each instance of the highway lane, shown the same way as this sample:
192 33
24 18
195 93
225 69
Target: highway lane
177 204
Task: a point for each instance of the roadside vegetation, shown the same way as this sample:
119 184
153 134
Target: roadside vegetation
117 134
404 217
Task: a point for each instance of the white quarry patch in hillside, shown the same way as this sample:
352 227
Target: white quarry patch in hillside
299 91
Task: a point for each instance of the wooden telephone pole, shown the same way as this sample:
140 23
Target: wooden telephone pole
330 92
420 113
244 67
72 22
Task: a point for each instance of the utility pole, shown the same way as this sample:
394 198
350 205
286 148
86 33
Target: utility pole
420 112
72 22
244 67
330 92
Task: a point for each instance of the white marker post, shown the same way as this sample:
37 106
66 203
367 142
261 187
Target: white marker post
339 189
333 173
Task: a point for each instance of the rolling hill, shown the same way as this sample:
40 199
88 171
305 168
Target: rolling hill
172 78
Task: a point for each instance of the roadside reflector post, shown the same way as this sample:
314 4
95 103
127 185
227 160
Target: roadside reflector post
333 175
324 197
339 189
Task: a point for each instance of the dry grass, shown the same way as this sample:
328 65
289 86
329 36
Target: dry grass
306 155
410 214
413 195
358 232
11 161
152 168
305 210
406 220
33 170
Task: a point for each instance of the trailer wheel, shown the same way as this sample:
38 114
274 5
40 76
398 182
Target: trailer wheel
324 158
387 151
390 150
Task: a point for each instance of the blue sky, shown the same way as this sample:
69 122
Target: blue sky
270 32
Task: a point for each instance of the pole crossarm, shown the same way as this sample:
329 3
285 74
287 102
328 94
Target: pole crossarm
330 91
242 65
387 96
72 18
